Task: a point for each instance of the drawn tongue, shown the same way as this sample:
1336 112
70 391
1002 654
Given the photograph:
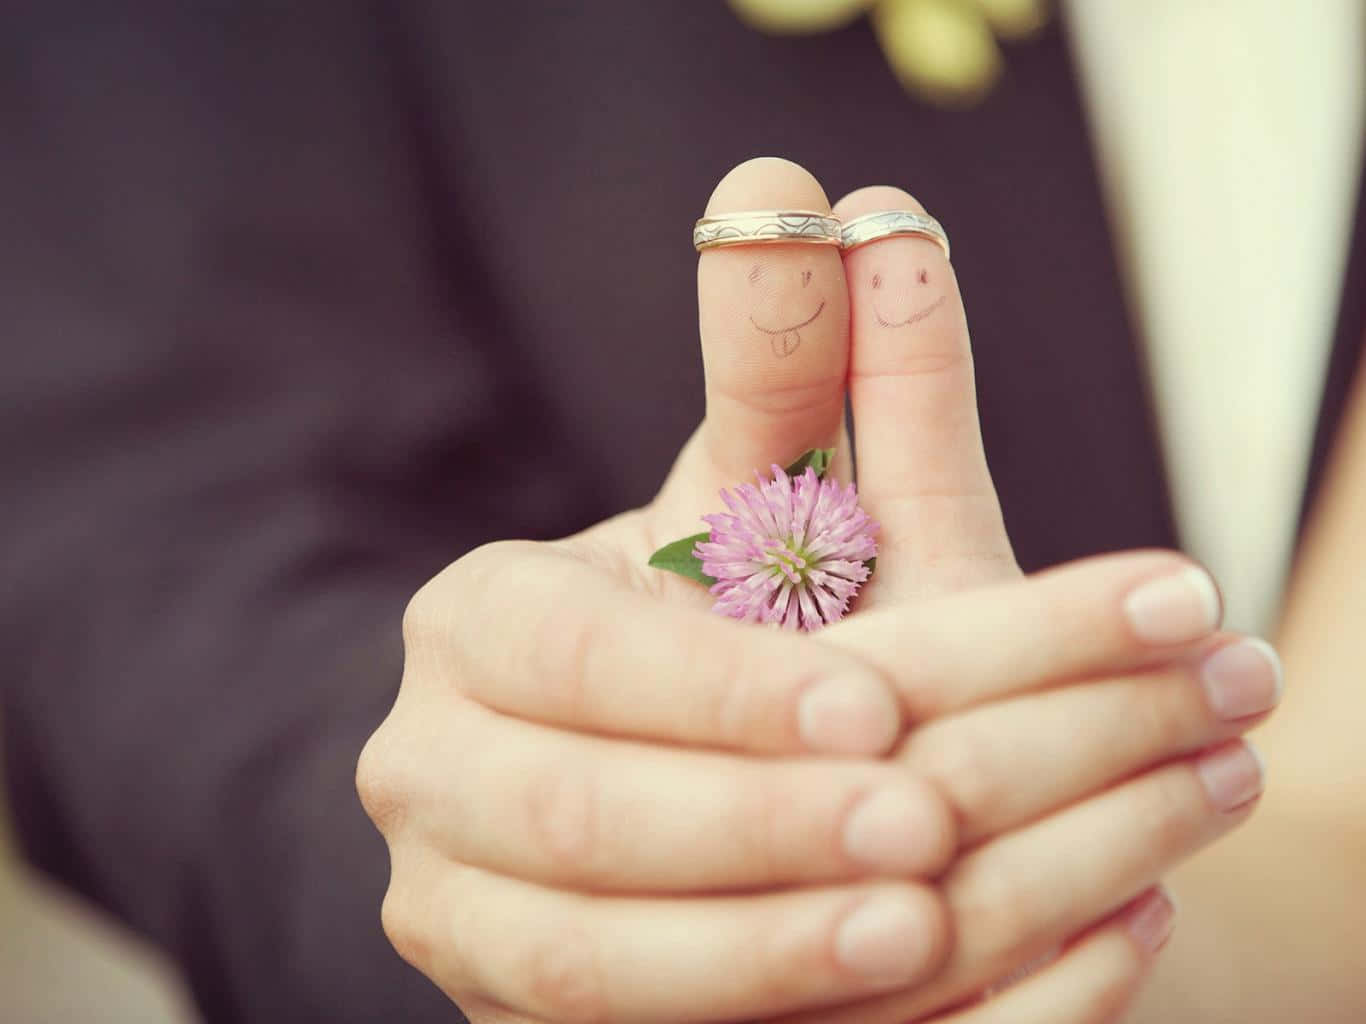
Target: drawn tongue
785 344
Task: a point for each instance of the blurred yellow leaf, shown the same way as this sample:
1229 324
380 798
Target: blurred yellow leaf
797 17
1015 19
944 48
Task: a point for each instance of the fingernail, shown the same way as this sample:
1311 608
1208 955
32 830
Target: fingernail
1151 919
887 830
1243 678
1232 774
884 940
1174 609
847 715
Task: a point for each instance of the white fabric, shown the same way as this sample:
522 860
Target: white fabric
1229 134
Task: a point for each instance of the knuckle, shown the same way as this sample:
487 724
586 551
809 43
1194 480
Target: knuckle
382 792
401 928
931 360
564 976
428 612
423 616
759 825
940 357
562 809
417 615
766 396
485 565
733 705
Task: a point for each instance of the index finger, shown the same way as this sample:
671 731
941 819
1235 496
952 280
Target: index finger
533 631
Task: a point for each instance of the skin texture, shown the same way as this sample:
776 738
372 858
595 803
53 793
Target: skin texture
604 803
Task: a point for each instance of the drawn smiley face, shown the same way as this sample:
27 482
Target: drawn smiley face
778 292
901 302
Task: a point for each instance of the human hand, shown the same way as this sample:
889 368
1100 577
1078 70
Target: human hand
946 481
572 750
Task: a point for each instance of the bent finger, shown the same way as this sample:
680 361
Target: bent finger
532 631
589 813
1018 896
1008 762
565 957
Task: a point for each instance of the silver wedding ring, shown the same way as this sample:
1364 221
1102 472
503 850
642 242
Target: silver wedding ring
888 223
765 226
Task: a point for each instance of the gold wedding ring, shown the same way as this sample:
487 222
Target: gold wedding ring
888 223
765 226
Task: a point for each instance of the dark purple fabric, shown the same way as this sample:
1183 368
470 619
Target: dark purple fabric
301 301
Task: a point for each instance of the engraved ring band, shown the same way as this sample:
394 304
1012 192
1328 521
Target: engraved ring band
888 223
805 226
764 226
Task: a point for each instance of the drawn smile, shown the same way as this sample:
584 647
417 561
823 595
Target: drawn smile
914 318
794 327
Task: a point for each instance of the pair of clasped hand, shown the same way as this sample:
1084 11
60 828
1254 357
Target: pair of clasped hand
605 803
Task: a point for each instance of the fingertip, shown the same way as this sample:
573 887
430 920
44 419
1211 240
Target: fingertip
893 937
1232 775
769 183
904 829
1139 605
1176 605
853 713
875 198
1150 919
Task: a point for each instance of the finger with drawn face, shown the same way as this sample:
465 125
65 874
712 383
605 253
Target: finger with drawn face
774 324
922 469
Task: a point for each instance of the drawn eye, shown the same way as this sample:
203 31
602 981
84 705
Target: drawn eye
924 276
877 280
806 278
755 273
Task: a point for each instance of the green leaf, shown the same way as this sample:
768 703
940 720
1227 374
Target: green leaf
818 459
872 566
678 557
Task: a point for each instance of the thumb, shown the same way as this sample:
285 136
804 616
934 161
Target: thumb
774 323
